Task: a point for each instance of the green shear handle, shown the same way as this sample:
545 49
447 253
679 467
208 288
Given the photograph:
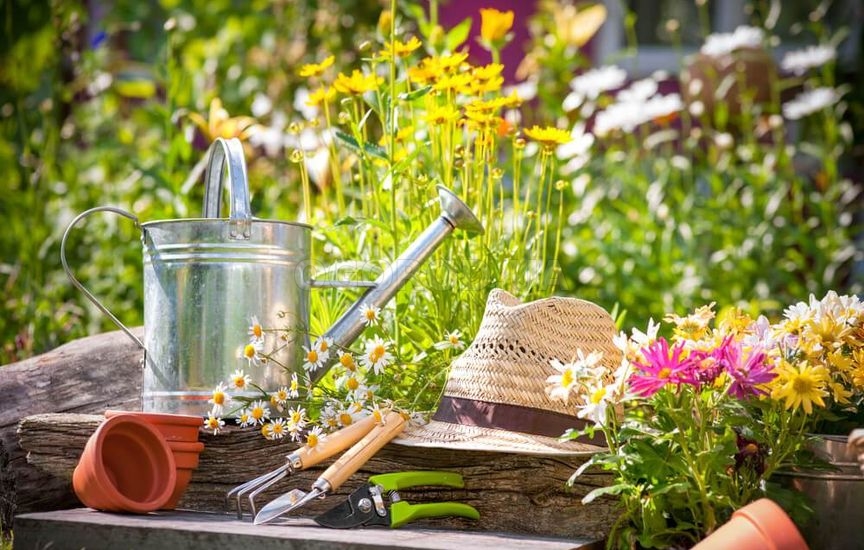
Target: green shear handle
402 512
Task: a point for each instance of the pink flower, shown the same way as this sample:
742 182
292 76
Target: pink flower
748 369
663 366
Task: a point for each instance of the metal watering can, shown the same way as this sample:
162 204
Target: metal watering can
205 277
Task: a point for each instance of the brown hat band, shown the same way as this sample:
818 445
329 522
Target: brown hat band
514 418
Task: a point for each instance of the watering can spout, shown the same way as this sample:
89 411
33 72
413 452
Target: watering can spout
455 214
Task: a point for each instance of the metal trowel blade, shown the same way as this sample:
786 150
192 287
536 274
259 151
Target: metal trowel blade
284 504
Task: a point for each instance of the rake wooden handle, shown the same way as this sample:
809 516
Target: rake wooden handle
360 453
334 443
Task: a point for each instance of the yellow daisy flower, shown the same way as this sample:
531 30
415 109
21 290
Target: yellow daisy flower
401 49
494 24
220 124
549 137
316 69
438 116
321 95
801 385
357 84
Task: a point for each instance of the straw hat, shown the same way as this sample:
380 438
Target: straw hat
495 398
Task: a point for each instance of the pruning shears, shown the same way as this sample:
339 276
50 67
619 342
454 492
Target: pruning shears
378 502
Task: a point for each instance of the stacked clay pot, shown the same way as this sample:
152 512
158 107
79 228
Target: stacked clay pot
126 466
180 433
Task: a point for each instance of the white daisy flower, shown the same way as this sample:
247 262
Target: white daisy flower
720 44
452 340
597 405
577 151
252 352
244 418
371 315
313 357
800 61
348 416
297 419
314 438
347 361
365 392
594 82
219 399
809 102
294 388
323 345
275 429
240 380
329 417
255 331
214 423
280 397
626 116
378 414
560 385
376 356
259 411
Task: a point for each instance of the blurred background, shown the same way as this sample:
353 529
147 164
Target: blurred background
745 192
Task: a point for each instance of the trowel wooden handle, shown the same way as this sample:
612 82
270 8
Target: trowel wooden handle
360 453
335 442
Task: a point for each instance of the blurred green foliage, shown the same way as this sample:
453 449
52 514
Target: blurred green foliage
94 104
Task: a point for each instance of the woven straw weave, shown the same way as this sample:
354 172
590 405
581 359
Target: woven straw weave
509 361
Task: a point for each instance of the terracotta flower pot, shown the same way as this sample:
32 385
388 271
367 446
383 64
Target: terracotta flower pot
174 427
181 434
126 466
761 525
186 460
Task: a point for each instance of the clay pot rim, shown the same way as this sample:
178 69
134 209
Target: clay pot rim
773 522
100 477
186 446
160 418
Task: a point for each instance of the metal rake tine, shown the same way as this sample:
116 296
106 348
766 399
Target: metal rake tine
244 488
263 488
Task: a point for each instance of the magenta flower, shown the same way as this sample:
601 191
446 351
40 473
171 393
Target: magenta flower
663 366
748 369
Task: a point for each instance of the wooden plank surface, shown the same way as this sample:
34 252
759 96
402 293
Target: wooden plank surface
86 528
517 494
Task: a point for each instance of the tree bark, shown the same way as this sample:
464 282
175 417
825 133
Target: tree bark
87 375
513 493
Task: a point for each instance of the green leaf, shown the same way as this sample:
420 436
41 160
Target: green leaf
457 35
416 94
616 489
368 148
347 220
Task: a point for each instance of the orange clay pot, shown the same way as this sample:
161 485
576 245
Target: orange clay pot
181 434
174 427
761 525
126 466
186 460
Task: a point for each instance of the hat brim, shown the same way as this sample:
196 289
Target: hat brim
437 434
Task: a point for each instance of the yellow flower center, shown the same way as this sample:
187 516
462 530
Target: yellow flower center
370 314
379 418
282 395
598 395
294 384
323 345
266 430
802 385
454 340
249 351
566 378
345 419
257 331
352 384
312 440
312 356
218 398
664 373
257 413
277 428
239 382
296 417
347 361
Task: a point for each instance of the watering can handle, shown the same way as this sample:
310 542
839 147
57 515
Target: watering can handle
228 152
77 283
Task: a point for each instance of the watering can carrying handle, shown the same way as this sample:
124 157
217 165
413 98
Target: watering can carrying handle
228 153
77 283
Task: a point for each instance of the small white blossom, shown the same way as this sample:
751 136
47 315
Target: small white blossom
800 61
720 44
809 102
452 340
370 314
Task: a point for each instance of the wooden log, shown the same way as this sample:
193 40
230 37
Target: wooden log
87 375
513 493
